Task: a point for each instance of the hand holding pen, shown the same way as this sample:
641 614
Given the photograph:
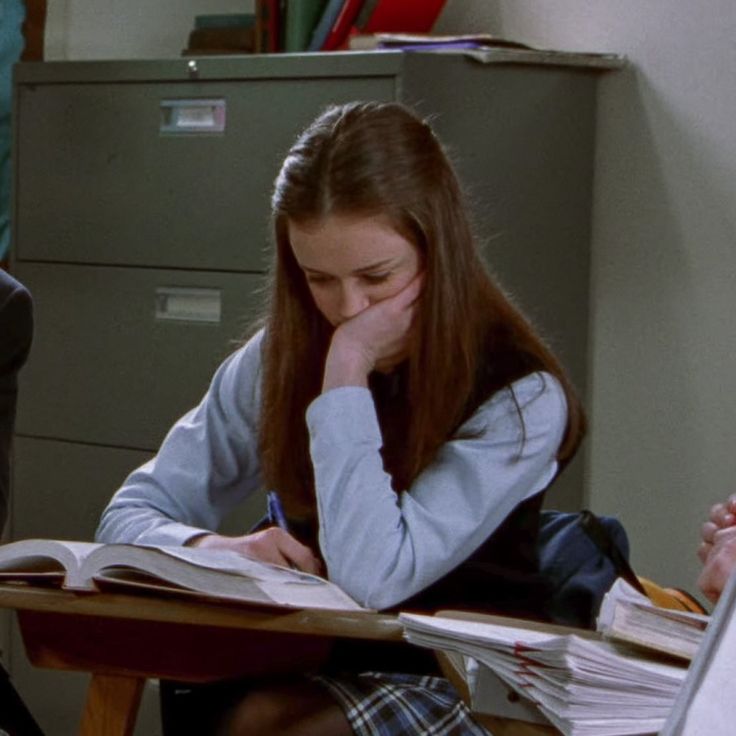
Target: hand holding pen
274 544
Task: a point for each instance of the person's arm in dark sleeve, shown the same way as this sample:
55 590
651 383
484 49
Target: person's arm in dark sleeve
16 332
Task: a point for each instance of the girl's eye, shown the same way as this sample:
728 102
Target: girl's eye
376 278
314 278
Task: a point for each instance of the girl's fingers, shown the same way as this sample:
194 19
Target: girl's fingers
298 555
708 530
272 545
721 516
704 550
410 293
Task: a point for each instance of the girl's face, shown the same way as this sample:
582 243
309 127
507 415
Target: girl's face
351 262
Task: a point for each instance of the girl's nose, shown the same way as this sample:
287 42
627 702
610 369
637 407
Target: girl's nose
352 302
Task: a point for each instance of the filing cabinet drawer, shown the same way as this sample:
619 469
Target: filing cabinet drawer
121 353
138 173
61 488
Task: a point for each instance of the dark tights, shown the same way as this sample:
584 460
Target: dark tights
286 707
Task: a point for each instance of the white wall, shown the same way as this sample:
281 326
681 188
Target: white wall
663 403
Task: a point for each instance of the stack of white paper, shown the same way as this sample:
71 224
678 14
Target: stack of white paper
581 683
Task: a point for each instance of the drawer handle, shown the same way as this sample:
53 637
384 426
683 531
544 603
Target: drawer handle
188 304
193 116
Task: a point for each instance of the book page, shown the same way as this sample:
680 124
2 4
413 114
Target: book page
325 595
234 562
619 592
466 630
221 574
38 559
624 595
145 556
628 615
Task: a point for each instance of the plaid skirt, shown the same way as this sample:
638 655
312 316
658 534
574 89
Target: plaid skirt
390 704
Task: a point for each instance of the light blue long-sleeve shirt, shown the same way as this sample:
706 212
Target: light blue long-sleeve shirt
379 546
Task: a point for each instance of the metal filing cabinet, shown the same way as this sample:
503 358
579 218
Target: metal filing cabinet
141 228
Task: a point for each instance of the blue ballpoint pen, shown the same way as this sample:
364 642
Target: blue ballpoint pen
277 515
276 510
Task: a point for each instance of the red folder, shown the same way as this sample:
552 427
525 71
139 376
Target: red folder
342 25
410 16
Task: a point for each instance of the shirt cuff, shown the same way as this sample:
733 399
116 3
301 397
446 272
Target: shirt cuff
174 534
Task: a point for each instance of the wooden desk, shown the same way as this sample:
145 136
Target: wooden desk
122 640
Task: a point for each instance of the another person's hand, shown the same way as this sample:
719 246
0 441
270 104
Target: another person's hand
719 563
270 545
376 339
722 516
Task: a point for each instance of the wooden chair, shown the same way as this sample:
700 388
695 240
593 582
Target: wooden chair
673 598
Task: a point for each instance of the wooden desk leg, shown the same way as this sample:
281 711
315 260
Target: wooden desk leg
112 705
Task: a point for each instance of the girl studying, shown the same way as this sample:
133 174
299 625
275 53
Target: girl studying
407 414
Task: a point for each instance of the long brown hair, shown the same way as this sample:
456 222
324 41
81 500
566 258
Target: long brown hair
368 158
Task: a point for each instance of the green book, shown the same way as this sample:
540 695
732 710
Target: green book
301 18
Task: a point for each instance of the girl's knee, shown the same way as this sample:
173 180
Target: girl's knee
304 710
260 712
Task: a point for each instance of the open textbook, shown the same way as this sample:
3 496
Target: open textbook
627 615
583 684
212 574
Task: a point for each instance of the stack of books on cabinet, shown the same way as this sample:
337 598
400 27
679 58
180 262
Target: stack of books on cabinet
222 34
327 25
